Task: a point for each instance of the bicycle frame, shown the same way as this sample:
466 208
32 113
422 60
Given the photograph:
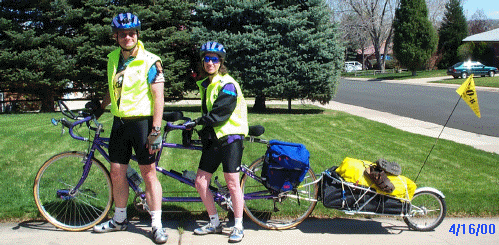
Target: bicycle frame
102 143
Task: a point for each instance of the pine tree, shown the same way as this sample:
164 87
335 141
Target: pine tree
37 53
414 39
279 49
451 33
48 44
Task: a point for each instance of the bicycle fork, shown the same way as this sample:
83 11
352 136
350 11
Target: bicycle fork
68 194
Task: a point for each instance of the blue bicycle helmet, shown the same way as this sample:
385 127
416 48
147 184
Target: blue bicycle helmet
125 21
213 47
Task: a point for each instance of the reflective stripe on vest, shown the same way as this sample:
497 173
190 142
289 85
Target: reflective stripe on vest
136 96
238 121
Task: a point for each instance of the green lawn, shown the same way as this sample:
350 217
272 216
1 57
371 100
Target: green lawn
479 81
468 177
390 75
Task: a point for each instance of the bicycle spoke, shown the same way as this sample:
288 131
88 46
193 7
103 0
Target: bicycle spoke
283 211
55 183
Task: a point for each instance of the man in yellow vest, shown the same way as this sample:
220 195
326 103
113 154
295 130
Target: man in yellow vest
225 124
136 95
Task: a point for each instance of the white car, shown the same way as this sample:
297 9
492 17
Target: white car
351 66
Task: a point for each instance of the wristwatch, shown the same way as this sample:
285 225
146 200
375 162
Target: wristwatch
157 129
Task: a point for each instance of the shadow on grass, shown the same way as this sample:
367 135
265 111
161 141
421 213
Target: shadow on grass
187 108
399 77
269 110
286 111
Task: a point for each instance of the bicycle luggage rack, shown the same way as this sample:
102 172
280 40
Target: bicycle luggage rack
355 199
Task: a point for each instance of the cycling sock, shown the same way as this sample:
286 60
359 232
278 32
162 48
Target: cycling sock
238 223
119 215
156 220
214 220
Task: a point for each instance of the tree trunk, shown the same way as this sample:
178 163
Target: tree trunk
259 105
289 105
47 98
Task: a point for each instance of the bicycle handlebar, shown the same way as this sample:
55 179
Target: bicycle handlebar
82 117
66 111
65 122
189 124
170 117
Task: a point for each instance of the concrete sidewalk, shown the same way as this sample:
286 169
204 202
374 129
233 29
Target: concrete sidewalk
358 230
425 81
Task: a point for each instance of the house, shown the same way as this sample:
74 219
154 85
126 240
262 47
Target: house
490 37
368 54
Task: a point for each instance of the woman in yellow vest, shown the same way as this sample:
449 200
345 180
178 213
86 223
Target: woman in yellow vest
225 124
136 95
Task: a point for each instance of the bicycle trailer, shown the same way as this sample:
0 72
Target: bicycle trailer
348 189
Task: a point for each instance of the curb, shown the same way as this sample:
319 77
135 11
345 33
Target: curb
423 82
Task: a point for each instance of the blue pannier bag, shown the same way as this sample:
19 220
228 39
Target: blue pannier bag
285 165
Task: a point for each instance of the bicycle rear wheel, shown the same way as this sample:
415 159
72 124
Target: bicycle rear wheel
278 212
64 207
426 212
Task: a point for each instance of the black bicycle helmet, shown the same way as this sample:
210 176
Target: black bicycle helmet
213 47
125 21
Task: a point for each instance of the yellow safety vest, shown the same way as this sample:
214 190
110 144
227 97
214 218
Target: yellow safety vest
136 97
238 121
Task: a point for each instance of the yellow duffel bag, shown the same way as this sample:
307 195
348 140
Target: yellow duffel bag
352 170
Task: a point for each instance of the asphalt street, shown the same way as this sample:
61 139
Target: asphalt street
431 103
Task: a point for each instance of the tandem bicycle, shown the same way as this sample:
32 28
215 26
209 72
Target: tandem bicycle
73 190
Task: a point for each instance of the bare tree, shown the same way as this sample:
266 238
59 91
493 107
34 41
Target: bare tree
479 22
376 16
355 33
436 9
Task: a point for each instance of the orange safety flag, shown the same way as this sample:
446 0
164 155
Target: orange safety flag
467 92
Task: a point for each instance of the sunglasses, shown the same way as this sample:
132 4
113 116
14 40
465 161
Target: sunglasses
213 59
125 34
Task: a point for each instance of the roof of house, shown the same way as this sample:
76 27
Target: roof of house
488 36
370 50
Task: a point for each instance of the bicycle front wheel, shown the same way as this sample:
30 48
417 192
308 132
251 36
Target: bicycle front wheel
282 211
426 212
68 208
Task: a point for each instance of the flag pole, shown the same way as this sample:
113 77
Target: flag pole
437 139
468 93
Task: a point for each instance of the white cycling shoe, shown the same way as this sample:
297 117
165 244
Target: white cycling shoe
111 225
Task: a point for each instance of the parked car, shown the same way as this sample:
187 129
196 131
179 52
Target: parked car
464 69
351 66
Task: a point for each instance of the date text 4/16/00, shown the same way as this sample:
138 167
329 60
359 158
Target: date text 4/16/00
473 229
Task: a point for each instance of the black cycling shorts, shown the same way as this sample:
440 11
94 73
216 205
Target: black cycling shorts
127 134
229 155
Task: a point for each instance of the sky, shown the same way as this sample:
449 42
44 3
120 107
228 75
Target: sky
489 7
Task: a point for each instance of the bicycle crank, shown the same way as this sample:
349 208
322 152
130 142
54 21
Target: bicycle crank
139 202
